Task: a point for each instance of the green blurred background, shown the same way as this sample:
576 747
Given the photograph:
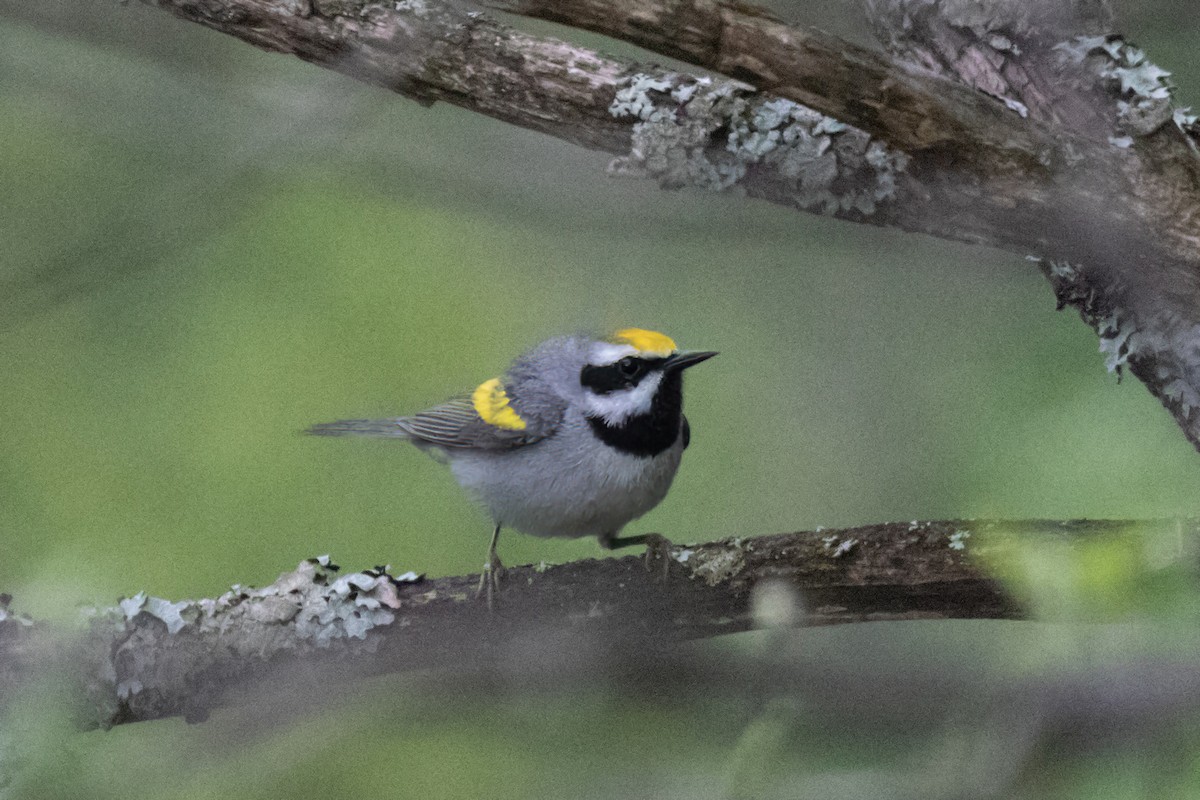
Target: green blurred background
207 248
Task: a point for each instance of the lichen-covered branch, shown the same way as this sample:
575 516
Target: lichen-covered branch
909 107
1025 126
1028 126
1061 65
148 657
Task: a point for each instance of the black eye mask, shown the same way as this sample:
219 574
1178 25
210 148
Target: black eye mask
623 374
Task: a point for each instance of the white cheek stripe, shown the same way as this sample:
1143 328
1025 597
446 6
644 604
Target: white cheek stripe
616 407
605 353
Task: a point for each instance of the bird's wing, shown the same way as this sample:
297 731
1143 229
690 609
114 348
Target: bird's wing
483 421
458 424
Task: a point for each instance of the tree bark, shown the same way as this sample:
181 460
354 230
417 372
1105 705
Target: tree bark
149 658
1025 126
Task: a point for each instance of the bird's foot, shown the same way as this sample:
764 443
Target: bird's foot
489 580
658 548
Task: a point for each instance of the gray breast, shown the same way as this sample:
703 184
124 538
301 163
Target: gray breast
570 484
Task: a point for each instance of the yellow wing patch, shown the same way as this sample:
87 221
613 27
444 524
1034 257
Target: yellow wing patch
491 404
649 343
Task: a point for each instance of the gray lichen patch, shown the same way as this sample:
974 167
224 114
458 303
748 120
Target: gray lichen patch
1072 288
416 7
1167 342
717 566
838 547
317 608
720 135
1118 340
309 608
1143 88
1171 346
1189 123
170 614
1117 332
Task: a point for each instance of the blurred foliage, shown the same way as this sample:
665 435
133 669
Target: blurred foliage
207 248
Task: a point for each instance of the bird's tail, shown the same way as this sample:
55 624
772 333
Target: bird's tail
384 428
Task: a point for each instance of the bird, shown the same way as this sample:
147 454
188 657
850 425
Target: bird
582 435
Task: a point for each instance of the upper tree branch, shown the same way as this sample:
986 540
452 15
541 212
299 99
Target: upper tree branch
911 108
995 123
1036 139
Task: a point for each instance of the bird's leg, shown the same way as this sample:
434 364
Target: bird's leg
657 547
493 571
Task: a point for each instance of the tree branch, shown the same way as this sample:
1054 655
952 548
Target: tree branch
1029 128
149 658
911 108
997 122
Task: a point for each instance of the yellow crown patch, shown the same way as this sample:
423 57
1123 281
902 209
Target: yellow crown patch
650 343
491 404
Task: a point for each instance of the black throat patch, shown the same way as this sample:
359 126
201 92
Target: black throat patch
653 432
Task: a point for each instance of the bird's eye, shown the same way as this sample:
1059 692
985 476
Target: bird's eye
629 366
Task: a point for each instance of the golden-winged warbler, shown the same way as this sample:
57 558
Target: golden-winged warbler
580 436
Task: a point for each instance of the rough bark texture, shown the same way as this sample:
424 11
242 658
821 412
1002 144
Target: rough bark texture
1129 214
1024 126
149 658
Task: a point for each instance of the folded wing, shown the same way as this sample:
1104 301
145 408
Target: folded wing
454 424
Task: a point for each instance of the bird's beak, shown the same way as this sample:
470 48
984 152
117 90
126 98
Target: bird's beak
689 359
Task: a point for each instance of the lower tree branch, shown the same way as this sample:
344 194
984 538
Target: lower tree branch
149 658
